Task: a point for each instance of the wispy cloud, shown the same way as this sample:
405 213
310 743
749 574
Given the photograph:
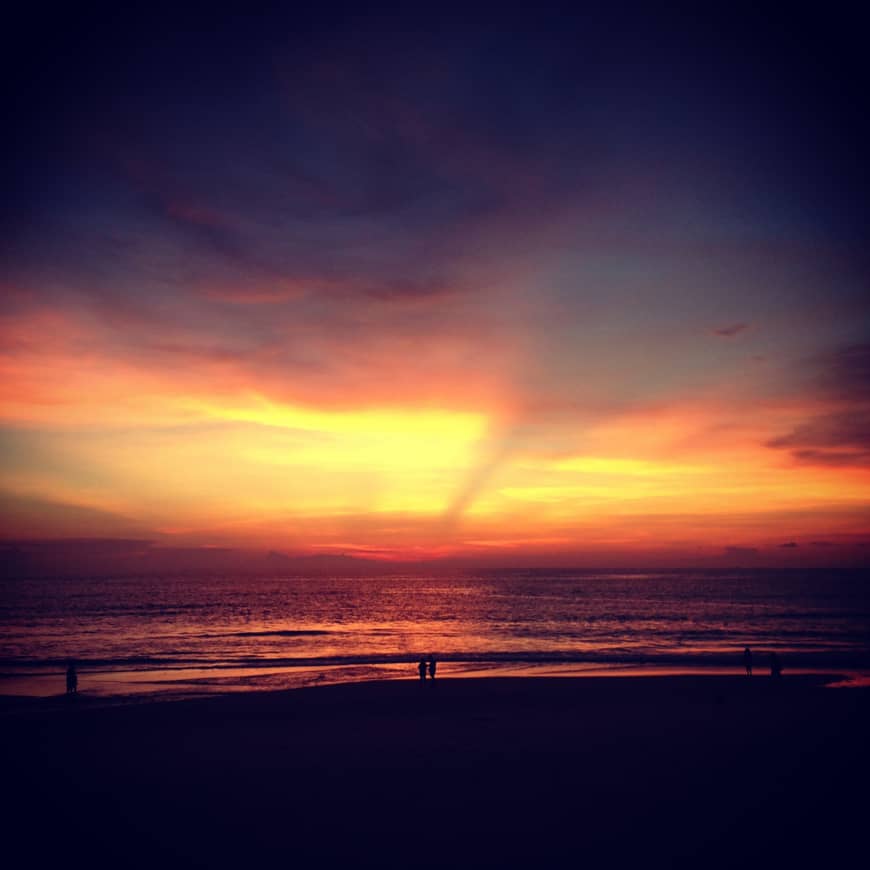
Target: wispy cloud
731 330
840 380
843 373
742 552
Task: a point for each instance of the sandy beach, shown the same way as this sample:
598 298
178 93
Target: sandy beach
669 771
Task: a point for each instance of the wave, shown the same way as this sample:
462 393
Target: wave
277 633
847 658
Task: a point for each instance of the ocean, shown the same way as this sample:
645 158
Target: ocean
183 636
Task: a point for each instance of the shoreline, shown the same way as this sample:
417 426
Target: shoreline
156 685
700 682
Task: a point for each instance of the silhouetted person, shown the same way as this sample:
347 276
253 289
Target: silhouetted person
775 666
432 665
422 669
72 679
747 660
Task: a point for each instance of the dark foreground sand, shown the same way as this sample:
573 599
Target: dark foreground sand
591 772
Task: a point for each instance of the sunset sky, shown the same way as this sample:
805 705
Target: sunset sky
560 288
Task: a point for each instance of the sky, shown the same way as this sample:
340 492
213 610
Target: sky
546 287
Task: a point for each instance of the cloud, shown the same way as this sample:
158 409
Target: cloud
272 293
742 552
393 290
28 516
790 545
840 439
833 458
732 330
844 373
837 381
196 215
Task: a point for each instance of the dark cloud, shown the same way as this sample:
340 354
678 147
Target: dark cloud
732 330
742 552
214 353
839 439
411 290
844 373
63 557
21 515
833 458
789 545
839 378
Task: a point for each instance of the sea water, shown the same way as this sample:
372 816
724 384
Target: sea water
187 635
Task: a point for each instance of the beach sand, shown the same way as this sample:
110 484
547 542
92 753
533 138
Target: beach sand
596 771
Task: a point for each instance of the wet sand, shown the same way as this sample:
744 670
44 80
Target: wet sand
668 771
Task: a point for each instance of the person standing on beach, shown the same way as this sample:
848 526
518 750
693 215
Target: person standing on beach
72 679
432 665
421 667
775 666
747 660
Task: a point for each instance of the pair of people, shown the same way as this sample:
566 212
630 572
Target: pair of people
423 666
775 664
